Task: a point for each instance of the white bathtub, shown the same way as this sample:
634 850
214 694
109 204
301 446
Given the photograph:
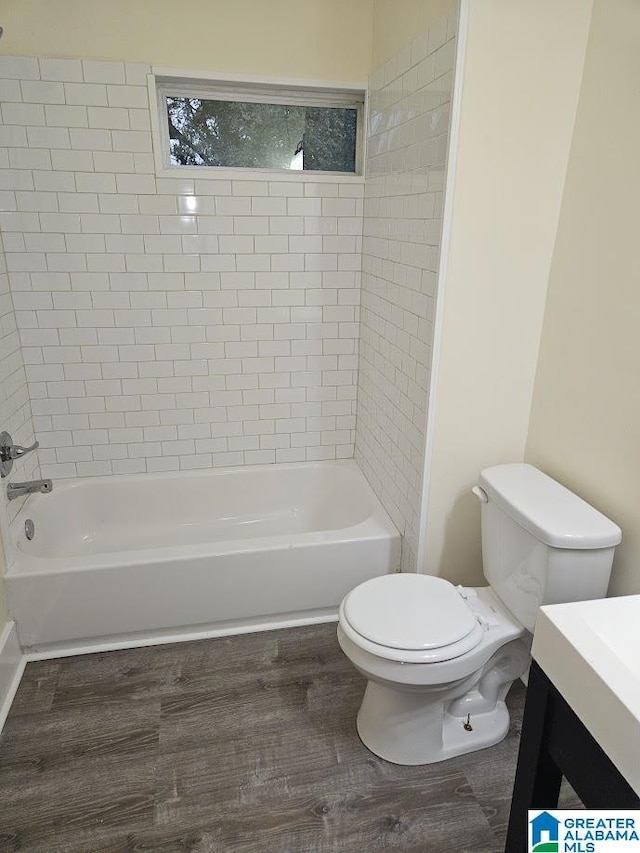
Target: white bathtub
120 560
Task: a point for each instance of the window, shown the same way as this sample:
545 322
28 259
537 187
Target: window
248 127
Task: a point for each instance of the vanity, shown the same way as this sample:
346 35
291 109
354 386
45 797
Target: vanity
582 713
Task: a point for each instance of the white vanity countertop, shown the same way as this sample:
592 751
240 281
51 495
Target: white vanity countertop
591 652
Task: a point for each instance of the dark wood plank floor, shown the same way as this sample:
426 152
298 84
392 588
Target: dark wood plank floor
241 744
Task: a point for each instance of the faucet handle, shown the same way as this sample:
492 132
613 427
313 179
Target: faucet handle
15 451
9 452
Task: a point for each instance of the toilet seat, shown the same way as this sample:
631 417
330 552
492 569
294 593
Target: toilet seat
411 618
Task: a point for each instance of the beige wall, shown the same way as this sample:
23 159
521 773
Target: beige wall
397 22
524 62
322 39
314 39
585 418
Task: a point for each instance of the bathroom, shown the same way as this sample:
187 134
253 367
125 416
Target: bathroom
466 302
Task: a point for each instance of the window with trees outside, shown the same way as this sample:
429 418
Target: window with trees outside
261 127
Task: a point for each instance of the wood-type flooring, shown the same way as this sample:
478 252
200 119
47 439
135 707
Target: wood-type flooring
244 743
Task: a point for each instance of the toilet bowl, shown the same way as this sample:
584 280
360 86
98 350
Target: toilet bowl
440 659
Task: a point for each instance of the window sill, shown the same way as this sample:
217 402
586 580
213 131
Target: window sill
221 173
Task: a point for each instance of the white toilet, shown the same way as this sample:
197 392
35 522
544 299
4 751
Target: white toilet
440 659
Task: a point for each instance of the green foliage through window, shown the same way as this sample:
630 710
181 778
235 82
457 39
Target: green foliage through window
261 135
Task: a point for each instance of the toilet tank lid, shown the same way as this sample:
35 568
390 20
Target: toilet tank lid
548 510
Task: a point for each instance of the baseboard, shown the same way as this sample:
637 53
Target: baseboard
12 664
176 635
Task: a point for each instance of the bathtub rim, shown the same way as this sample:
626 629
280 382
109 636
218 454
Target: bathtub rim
377 525
68 483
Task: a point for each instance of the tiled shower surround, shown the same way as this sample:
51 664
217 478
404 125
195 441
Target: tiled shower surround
168 323
406 155
180 323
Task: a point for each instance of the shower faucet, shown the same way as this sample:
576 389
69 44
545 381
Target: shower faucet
9 452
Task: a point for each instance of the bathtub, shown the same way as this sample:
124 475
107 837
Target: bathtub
123 560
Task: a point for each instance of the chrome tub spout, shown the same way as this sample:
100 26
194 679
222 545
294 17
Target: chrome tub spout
17 490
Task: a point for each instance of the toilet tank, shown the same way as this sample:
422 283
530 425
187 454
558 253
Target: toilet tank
541 543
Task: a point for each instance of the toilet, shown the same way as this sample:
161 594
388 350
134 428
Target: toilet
439 659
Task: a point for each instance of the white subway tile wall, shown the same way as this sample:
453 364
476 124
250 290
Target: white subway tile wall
15 410
168 323
409 101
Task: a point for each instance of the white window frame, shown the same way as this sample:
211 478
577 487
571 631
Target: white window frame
164 83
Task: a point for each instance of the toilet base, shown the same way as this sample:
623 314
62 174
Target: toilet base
396 725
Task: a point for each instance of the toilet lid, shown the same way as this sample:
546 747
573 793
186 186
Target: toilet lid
409 611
